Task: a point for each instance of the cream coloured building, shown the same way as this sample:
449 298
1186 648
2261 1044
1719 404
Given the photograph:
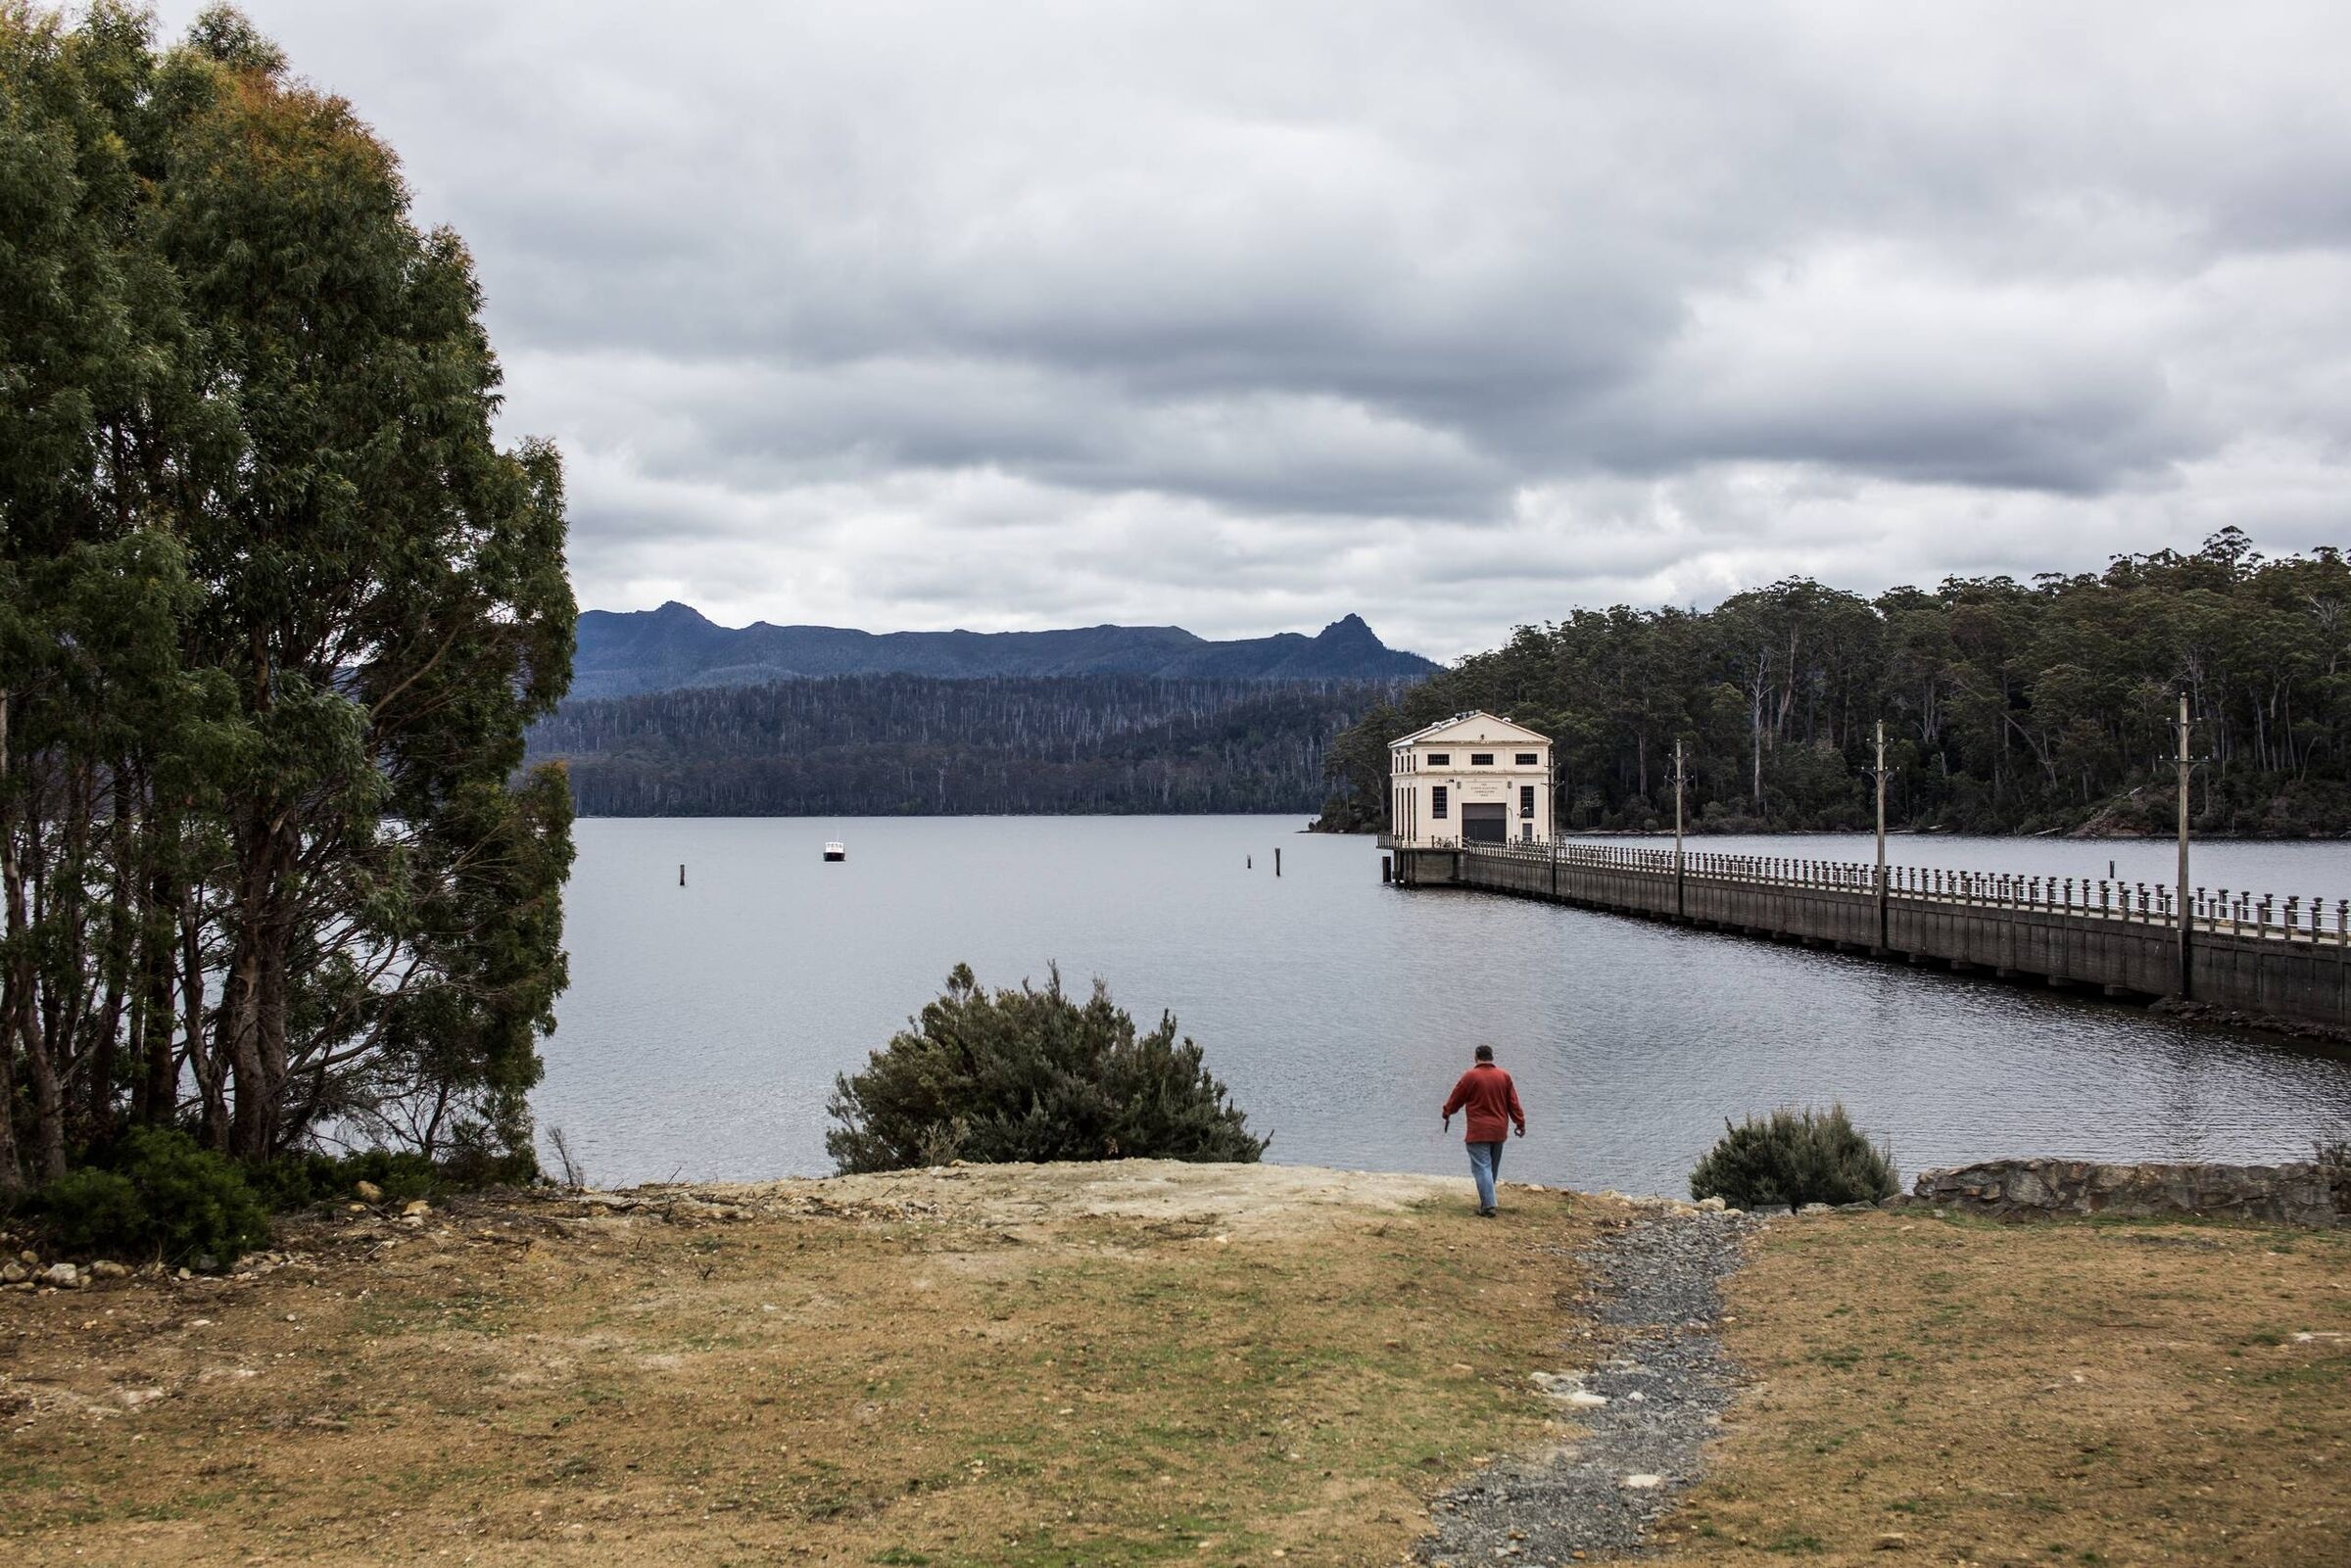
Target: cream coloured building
1471 778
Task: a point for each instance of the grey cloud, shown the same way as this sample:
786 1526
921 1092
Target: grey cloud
1246 317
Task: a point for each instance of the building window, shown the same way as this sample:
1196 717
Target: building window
1526 800
1436 804
1526 832
1527 759
1440 759
1481 759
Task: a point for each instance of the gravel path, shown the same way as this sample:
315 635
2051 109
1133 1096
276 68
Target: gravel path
1650 1407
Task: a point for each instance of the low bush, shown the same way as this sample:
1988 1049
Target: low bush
165 1198
1031 1074
301 1180
92 1211
1795 1156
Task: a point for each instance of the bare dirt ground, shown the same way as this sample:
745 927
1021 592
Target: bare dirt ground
1145 1362
1154 1363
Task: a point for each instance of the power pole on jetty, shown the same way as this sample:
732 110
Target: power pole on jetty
1679 912
1881 773
2182 895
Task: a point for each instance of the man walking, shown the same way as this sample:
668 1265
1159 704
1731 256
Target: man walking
1487 1093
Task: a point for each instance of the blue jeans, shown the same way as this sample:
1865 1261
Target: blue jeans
1485 1168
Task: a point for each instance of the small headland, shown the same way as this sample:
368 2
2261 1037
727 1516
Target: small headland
1151 1362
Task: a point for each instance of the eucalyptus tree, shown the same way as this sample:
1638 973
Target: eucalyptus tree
276 611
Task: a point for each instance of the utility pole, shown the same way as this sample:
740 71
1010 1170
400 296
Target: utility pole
1881 773
1552 798
1679 911
2183 894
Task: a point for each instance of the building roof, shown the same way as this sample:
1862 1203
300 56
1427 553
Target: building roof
1472 727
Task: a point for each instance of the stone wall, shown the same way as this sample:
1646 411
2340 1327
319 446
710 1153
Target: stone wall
2295 1194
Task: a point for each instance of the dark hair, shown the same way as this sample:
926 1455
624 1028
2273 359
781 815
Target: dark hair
1485 1053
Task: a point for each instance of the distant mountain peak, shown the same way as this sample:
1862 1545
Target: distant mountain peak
623 652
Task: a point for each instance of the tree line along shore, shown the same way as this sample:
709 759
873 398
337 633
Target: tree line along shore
2010 707
931 745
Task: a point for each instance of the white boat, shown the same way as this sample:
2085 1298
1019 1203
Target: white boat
834 849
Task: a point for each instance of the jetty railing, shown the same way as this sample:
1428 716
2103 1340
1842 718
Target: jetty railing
2214 911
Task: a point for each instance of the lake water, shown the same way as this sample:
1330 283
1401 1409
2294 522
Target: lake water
704 1024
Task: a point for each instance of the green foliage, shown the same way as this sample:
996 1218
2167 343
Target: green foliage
275 611
1031 1074
1795 1156
93 1210
306 1178
167 1198
301 1180
2008 706
907 744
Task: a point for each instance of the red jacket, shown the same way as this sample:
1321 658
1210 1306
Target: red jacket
1487 1093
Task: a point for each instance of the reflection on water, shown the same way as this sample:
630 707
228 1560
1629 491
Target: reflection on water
704 1024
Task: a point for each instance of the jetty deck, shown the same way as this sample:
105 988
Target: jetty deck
2287 959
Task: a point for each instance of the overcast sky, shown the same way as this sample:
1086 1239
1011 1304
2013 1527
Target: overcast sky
1243 317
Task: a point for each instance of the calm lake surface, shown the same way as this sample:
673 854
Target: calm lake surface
704 1024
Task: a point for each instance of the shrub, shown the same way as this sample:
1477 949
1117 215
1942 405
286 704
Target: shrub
168 1197
1793 1157
299 1180
92 1211
1031 1074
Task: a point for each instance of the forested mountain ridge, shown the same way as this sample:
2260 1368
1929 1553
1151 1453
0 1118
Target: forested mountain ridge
2008 706
911 745
622 653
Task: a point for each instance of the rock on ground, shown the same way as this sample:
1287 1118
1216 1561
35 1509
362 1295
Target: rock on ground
1648 1407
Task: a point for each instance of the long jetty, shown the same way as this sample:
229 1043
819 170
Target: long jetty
2283 958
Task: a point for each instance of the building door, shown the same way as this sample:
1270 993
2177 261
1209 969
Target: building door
1485 823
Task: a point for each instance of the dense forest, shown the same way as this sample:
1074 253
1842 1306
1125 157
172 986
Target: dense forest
274 610
2009 707
906 746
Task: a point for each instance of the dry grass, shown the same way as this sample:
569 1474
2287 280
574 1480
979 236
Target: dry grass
2072 1393
1144 1364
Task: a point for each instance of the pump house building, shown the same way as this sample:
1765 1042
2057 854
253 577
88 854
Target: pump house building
1472 778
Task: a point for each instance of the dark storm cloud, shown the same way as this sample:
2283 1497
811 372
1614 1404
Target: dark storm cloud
1246 317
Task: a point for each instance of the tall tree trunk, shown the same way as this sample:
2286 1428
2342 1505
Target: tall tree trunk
155 1094
12 1170
207 1063
253 1007
23 1020
121 949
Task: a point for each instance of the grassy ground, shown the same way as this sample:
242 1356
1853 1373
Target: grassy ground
2072 1393
1171 1365
1147 1363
